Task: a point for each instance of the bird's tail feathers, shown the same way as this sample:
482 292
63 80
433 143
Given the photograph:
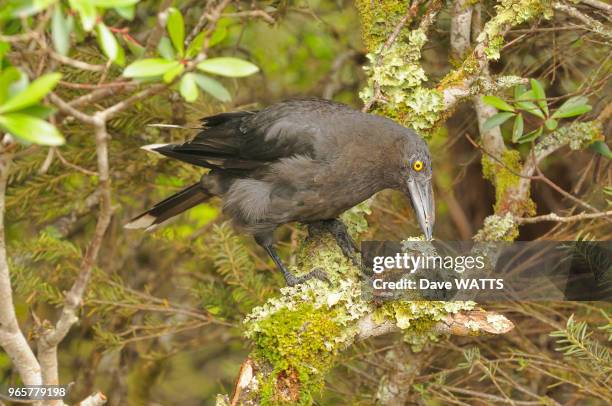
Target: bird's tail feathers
152 148
170 207
182 127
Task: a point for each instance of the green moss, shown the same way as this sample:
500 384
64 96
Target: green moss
299 335
505 181
378 19
463 69
299 343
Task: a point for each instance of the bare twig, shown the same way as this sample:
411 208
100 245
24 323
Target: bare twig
71 165
158 31
559 219
75 63
100 94
69 109
594 25
50 338
600 5
97 399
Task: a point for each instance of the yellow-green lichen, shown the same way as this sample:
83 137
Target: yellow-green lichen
510 13
576 135
417 318
355 218
498 228
398 75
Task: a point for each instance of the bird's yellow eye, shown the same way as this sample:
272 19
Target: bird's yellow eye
417 166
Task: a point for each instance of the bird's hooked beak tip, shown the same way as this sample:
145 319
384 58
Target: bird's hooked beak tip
421 197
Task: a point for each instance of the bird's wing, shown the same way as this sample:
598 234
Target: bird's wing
251 139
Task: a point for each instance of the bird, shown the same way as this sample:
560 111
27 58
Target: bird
304 160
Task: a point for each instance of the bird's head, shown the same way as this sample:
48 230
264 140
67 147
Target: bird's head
416 182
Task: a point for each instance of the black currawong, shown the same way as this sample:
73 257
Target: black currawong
305 160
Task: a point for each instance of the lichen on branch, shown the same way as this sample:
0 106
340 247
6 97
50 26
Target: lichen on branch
297 335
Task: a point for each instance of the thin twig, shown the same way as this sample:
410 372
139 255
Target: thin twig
555 217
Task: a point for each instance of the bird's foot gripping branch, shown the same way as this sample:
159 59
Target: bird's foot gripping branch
297 335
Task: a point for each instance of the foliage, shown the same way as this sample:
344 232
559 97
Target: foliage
20 111
176 58
534 102
576 341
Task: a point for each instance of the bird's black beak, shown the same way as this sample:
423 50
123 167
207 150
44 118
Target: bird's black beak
421 196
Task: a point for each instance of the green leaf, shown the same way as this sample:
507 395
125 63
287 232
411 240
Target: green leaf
518 91
601 148
32 94
173 73
107 41
18 86
495 120
149 68
213 87
31 129
188 88
218 36
87 12
113 3
165 48
528 95
551 124
176 29
136 49
531 108
572 107
530 136
61 27
227 66
126 12
120 60
538 92
497 103
195 46
38 110
7 76
25 8
517 128
4 48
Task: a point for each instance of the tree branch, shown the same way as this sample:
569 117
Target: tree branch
12 339
50 338
254 372
600 5
559 219
590 22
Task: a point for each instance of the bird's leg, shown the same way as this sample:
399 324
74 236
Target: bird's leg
346 243
290 278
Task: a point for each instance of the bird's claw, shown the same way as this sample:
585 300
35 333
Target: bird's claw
344 240
318 273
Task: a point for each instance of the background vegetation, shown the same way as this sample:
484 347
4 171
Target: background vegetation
160 314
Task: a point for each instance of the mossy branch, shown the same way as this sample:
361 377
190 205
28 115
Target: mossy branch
298 334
